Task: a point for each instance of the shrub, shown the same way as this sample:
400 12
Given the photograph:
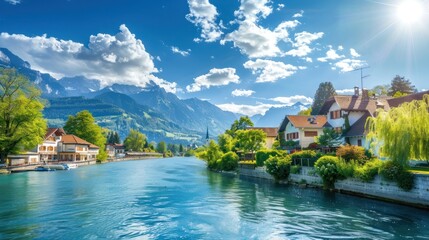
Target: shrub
349 153
367 172
346 169
304 154
263 155
278 167
327 168
295 169
395 171
229 161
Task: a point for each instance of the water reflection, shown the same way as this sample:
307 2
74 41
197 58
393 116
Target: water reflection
178 198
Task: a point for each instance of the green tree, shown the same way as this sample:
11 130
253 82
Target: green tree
22 125
240 124
305 112
329 138
325 91
379 90
402 132
135 141
402 85
250 140
161 147
116 139
181 150
84 126
213 154
225 142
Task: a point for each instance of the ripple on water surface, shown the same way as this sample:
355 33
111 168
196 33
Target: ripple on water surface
178 198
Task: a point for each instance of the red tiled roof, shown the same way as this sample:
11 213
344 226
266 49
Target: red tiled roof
72 139
270 131
395 102
306 121
355 103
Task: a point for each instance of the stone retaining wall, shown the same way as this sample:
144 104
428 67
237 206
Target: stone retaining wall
418 196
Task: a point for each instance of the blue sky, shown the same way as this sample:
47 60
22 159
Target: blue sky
244 56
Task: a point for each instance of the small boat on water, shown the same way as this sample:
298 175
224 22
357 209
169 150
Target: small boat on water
43 169
70 165
56 166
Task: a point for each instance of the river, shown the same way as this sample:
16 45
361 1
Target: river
177 198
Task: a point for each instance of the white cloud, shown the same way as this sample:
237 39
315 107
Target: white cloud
345 91
347 65
298 15
254 40
280 6
215 77
13 2
158 58
242 93
252 10
340 48
302 42
354 53
293 99
331 54
203 15
181 52
248 110
119 58
270 71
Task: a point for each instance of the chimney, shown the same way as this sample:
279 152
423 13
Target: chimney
356 91
365 96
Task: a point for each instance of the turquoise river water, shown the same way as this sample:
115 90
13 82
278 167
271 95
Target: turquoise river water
177 198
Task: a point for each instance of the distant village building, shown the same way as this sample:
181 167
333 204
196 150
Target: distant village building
271 133
115 150
302 129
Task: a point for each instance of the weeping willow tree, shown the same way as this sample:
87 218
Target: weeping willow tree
402 132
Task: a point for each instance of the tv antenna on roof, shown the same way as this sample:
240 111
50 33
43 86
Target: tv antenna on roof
361 74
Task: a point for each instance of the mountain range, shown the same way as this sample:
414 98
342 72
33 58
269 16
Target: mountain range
158 114
150 109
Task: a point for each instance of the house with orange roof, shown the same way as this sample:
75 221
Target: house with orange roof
47 150
302 129
271 135
73 148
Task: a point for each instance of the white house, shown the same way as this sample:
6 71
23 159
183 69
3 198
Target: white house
302 129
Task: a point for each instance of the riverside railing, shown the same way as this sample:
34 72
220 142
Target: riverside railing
304 162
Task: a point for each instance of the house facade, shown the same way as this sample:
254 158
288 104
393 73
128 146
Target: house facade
302 129
73 148
115 150
47 150
271 135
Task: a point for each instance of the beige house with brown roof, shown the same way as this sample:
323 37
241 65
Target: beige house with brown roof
302 129
271 135
73 148
48 149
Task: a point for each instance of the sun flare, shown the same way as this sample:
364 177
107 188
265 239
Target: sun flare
409 12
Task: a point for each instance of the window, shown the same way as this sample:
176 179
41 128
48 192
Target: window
359 142
310 133
291 136
335 114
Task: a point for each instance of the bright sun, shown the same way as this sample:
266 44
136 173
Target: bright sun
409 12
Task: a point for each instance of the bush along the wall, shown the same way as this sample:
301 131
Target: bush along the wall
368 171
263 155
295 169
278 167
229 161
327 168
349 153
395 171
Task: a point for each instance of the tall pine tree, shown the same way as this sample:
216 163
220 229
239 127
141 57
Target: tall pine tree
325 91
